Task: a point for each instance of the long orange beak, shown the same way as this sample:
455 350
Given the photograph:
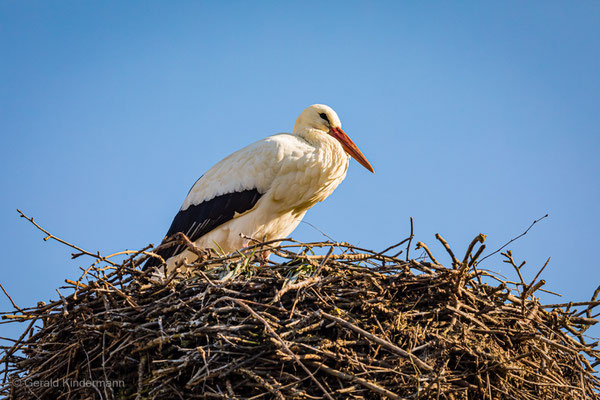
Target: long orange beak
350 147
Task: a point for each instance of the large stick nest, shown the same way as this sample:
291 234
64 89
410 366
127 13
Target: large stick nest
349 324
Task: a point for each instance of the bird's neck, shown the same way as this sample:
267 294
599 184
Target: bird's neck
321 141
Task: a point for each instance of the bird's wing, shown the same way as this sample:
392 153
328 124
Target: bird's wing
230 188
197 220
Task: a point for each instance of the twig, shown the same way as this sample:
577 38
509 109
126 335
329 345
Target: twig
455 261
50 236
424 247
280 340
539 272
572 304
515 238
478 239
410 238
381 253
10 298
296 286
378 340
353 378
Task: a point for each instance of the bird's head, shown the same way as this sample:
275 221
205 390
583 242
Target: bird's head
322 118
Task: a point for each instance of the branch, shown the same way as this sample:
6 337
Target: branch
79 249
513 239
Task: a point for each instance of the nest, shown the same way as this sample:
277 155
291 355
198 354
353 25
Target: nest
348 324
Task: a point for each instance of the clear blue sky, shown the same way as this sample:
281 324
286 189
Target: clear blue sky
477 117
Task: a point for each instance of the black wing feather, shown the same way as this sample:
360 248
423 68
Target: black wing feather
198 220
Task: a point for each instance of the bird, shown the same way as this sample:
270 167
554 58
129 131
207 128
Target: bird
263 190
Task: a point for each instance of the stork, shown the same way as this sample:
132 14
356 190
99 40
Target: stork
263 190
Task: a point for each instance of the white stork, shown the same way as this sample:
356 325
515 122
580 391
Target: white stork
263 190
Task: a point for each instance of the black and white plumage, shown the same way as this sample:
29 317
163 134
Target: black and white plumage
197 220
263 190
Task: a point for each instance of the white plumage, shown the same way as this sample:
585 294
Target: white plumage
264 190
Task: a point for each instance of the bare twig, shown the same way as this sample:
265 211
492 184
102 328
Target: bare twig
280 340
421 245
79 249
378 340
410 238
455 262
10 298
478 239
515 238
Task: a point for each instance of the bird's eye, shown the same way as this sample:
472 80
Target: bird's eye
324 116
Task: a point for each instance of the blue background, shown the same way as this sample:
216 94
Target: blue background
477 117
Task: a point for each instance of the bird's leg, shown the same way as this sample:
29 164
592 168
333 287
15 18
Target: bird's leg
264 254
264 257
